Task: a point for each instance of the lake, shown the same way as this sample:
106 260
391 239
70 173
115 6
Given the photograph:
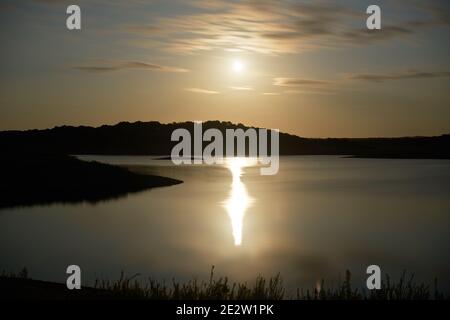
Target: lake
319 216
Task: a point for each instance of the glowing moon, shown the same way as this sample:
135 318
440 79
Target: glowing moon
238 66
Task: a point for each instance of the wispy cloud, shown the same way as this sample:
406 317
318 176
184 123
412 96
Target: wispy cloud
381 77
365 36
242 88
305 86
110 66
282 26
61 2
143 29
438 11
270 93
204 91
298 82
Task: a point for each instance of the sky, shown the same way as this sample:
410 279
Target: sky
309 68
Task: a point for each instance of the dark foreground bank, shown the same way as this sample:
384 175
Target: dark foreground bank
129 288
43 179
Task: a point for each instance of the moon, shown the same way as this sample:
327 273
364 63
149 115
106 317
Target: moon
238 66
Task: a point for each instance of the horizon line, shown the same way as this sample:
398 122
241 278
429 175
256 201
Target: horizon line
221 121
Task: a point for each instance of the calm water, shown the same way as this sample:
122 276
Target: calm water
316 218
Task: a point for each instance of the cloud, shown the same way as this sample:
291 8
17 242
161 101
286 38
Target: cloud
270 94
242 88
96 69
314 91
143 29
305 86
438 11
365 36
126 4
275 27
52 1
381 77
110 66
266 27
298 82
198 90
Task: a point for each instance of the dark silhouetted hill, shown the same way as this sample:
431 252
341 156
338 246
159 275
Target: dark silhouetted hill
153 138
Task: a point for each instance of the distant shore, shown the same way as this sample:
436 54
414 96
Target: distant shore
154 138
44 179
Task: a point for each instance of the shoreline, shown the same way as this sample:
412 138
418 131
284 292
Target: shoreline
47 179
